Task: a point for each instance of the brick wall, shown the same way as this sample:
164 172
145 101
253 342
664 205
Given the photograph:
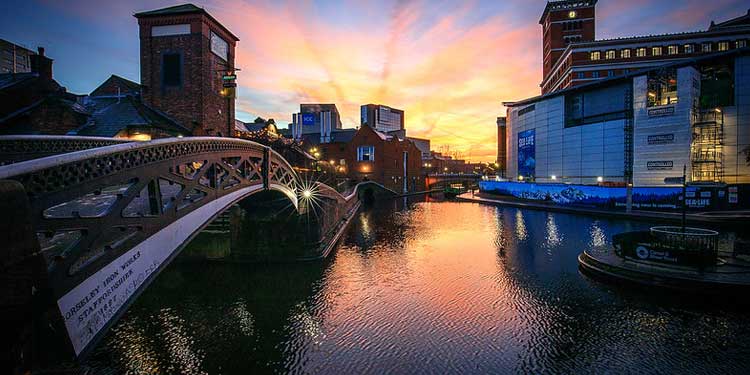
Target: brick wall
197 103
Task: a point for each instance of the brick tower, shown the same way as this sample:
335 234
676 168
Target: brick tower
564 22
184 55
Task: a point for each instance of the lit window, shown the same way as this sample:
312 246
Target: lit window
706 47
610 54
688 48
740 44
625 54
640 52
365 153
662 87
655 51
581 75
723 46
596 55
672 50
594 74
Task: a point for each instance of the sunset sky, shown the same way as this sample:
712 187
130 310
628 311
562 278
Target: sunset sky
448 64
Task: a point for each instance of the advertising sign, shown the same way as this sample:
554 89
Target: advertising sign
659 165
527 153
308 119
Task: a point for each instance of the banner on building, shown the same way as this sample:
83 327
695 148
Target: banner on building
527 153
308 119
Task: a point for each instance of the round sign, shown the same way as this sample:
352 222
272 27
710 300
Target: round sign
641 252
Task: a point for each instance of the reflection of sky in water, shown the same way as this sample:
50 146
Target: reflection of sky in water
438 288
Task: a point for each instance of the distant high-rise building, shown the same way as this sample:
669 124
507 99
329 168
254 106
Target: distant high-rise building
382 118
185 53
15 59
316 118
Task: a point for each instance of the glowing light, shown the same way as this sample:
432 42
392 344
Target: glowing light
140 137
718 110
600 179
307 193
520 178
553 177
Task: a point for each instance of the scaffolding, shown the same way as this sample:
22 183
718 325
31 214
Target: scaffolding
706 150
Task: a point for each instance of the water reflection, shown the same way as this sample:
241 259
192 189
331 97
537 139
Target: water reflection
430 287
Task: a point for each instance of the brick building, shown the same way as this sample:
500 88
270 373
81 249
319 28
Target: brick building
573 56
14 58
184 54
367 154
34 103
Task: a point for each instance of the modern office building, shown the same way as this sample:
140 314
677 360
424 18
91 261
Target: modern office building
382 118
573 56
15 59
642 127
320 119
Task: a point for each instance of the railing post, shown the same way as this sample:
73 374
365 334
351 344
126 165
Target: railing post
266 169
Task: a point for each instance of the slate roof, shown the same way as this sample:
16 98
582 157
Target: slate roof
127 87
11 79
176 9
182 9
110 116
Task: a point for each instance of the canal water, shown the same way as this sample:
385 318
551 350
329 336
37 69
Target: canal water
424 286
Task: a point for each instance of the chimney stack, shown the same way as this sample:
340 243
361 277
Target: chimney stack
41 64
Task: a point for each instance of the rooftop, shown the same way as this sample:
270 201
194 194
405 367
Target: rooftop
607 81
182 9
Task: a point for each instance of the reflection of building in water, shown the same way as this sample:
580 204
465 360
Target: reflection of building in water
520 226
598 238
553 237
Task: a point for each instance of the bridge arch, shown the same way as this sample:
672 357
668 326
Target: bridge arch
109 219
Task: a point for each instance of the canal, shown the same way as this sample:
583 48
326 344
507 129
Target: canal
423 286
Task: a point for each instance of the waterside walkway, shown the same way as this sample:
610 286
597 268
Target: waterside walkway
706 218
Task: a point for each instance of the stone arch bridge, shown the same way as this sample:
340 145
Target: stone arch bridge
106 216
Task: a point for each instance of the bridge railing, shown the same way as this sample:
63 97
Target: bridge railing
18 148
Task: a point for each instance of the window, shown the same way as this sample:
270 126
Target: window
723 46
673 50
640 52
594 74
596 55
706 47
219 46
740 44
655 51
625 54
662 87
595 105
688 48
171 69
610 73
610 54
366 153
581 75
